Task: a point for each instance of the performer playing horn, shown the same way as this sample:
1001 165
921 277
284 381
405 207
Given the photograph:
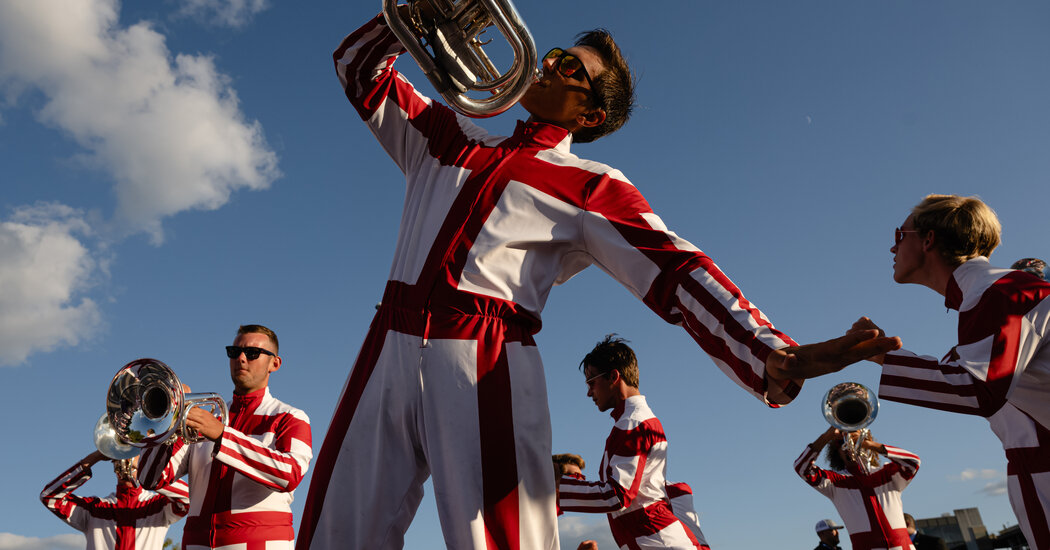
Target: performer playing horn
449 382
242 476
866 494
128 518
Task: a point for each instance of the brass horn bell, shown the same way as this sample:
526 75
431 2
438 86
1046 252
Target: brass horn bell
442 36
146 406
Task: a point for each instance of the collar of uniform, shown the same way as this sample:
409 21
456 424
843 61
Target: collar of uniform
248 400
542 134
953 295
126 493
633 401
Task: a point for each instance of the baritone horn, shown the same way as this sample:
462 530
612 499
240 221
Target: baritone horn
442 36
852 407
146 406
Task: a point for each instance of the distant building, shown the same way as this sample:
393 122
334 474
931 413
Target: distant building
1011 538
962 530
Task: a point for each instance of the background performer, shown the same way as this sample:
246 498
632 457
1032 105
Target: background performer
631 488
243 478
129 519
866 494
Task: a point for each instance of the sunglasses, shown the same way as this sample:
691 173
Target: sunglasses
570 66
595 377
250 353
898 235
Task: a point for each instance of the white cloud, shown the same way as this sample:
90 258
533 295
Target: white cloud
231 13
11 541
167 128
970 474
994 489
572 530
44 270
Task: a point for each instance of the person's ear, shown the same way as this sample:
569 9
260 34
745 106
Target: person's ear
592 118
276 364
929 240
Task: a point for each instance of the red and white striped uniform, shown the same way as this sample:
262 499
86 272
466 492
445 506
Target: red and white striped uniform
632 485
868 501
681 495
999 370
449 382
240 492
130 519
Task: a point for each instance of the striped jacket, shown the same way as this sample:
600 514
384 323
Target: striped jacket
130 519
241 488
632 488
1000 370
869 502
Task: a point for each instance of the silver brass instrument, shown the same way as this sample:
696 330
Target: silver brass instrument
852 407
146 406
456 62
107 442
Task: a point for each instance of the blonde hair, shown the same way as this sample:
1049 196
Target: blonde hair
563 459
964 227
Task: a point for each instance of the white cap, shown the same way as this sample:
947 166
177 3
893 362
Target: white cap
827 525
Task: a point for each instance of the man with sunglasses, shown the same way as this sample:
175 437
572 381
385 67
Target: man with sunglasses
243 476
999 369
631 489
449 381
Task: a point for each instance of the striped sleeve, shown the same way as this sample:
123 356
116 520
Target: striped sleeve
820 479
682 285
627 452
282 464
997 338
178 497
907 461
407 124
161 465
58 496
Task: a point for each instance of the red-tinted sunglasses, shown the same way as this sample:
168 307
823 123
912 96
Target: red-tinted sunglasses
570 66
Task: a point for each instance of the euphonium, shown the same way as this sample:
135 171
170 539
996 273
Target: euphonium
107 442
851 407
146 406
456 62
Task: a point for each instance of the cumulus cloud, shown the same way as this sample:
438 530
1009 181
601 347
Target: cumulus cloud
572 530
231 13
45 267
11 541
167 128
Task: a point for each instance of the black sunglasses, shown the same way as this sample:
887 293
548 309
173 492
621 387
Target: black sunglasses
250 353
570 66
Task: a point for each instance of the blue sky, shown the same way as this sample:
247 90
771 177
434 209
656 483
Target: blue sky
172 169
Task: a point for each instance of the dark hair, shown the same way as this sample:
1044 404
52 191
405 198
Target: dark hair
259 329
832 455
1035 266
613 353
614 87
